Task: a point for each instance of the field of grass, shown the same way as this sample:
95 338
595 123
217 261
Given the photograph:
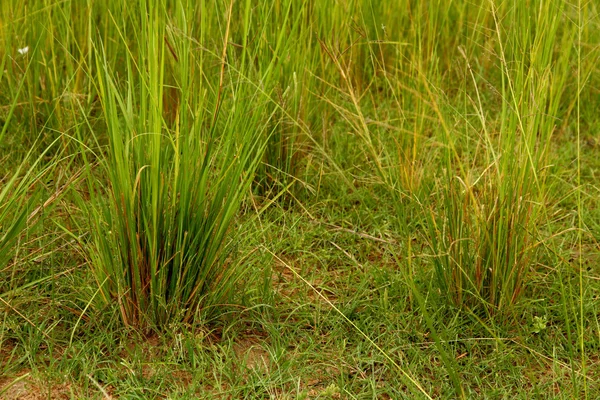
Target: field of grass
299 199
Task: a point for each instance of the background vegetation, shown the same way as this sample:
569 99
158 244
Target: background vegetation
299 199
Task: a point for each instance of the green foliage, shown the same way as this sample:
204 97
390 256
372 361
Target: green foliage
299 199
21 199
485 231
176 181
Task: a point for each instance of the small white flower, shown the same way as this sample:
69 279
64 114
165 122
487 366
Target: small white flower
24 50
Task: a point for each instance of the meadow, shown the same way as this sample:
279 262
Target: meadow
299 199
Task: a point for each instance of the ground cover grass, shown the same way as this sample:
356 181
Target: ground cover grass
299 199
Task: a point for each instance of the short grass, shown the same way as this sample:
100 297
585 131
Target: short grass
387 199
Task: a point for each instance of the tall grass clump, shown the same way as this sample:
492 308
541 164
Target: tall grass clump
279 46
21 188
184 135
45 76
484 102
388 63
484 227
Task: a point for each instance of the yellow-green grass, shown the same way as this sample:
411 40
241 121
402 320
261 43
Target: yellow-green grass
299 199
